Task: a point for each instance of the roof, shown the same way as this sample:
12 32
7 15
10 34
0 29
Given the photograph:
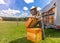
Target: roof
49 6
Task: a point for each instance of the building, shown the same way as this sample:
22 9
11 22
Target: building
1 18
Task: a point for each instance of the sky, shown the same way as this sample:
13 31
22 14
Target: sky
20 8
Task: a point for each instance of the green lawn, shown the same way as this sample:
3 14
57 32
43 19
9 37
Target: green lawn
11 33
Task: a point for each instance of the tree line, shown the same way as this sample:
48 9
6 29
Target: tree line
15 19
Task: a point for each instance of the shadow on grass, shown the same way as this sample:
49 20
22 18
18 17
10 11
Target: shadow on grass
21 40
55 33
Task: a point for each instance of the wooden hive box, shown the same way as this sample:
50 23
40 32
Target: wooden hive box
28 22
51 19
31 22
45 19
34 34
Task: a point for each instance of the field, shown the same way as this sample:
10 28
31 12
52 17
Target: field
11 33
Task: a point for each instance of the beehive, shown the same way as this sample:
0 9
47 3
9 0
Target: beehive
1 19
31 22
45 19
34 34
53 9
51 19
28 22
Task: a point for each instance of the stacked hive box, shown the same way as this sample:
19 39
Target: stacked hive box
51 19
51 15
33 34
45 19
48 17
31 22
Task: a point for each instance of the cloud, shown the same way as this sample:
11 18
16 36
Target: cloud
29 1
25 8
50 1
9 13
14 13
24 14
2 2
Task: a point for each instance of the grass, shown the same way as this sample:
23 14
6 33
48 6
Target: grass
11 33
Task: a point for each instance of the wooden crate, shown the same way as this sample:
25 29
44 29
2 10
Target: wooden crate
31 22
45 19
34 34
51 19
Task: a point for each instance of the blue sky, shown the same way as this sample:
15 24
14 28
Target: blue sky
23 6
